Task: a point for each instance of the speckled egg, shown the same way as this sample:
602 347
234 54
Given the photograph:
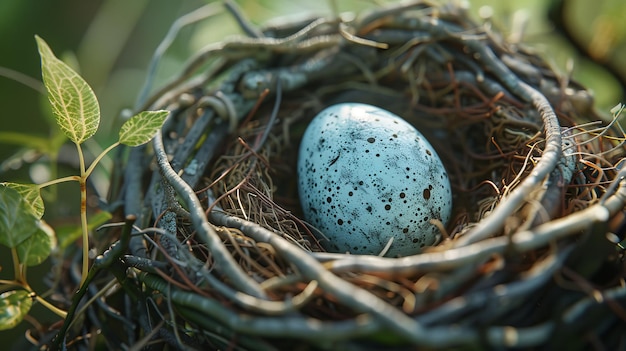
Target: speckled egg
366 176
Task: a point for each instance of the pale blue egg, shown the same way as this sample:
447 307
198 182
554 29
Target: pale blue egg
366 176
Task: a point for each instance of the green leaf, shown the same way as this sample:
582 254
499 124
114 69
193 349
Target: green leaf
32 194
140 128
74 104
17 222
14 305
67 235
38 247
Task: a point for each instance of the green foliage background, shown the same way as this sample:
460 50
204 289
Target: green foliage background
110 42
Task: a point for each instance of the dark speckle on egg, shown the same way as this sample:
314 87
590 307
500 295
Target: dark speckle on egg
366 176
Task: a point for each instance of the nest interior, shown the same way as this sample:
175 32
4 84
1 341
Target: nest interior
537 179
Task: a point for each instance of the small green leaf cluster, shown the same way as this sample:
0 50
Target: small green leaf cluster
22 229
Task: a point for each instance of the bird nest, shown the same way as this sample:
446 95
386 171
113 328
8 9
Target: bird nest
530 257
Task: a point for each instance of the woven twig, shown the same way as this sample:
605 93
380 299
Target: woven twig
232 264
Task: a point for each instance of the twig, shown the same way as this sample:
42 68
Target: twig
224 261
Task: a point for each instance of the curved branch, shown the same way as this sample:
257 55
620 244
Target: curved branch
224 262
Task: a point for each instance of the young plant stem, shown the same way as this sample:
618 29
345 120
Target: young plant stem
23 271
83 214
16 265
59 180
82 180
20 280
97 160
59 312
9 283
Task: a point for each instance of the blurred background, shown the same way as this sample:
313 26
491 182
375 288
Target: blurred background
110 42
